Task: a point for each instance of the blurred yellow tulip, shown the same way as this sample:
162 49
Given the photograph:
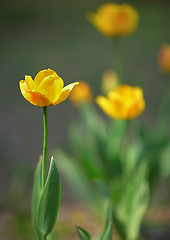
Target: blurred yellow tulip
164 58
109 81
81 93
115 20
46 89
123 103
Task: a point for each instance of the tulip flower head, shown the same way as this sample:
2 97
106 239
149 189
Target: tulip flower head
123 103
47 89
115 20
109 81
81 93
164 58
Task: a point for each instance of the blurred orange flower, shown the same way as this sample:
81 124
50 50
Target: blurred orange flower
115 20
81 93
164 58
123 103
46 89
109 81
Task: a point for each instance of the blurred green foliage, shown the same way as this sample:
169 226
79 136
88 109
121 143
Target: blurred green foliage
37 35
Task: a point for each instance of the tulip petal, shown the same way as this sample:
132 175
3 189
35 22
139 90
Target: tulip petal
54 90
133 111
115 20
30 83
81 93
138 92
118 103
43 74
23 86
127 101
47 82
36 98
33 97
65 93
107 106
136 109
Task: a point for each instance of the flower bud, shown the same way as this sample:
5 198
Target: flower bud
164 58
81 93
109 81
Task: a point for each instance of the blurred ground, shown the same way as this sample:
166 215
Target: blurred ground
55 34
18 226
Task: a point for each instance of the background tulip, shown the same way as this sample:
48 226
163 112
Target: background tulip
115 20
81 93
125 102
164 58
109 81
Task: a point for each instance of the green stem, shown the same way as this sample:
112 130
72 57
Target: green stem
117 58
163 117
126 144
44 148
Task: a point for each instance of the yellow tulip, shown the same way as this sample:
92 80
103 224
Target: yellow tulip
81 93
164 58
46 89
115 20
109 81
123 103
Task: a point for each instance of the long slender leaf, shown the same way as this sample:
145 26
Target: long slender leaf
51 236
107 215
36 197
49 200
134 202
108 233
77 178
83 235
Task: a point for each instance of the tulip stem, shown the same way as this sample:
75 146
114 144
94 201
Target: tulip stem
117 58
163 116
126 145
44 146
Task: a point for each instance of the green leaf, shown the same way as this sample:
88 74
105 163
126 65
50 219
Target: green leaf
89 160
134 202
108 233
51 236
49 200
83 235
116 132
118 225
108 212
77 178
36 197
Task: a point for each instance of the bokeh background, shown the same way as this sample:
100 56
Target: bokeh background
56 34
